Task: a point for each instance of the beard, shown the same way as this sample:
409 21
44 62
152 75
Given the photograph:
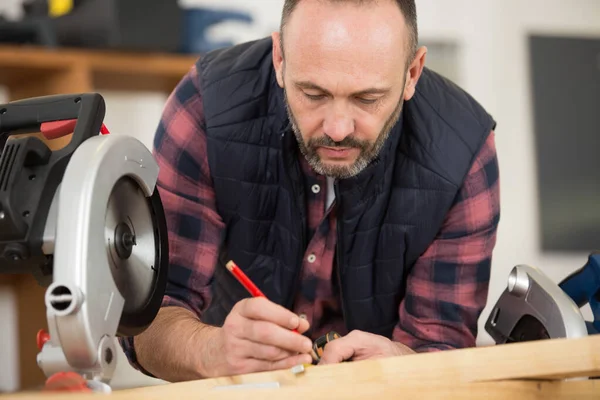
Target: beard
369 150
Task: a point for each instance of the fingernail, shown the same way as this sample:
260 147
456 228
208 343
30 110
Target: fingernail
294 321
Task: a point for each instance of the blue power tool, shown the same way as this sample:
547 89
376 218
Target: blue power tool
533 307
583 286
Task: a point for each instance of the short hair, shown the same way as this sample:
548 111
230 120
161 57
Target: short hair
407 7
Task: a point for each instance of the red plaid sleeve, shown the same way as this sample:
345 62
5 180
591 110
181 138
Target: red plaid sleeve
448 285
188 197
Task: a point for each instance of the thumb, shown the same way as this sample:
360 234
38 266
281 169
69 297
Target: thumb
337 351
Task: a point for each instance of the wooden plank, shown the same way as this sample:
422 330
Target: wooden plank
104 63
406 390
44 57
71 79
547 359
131 80
588 389
503 371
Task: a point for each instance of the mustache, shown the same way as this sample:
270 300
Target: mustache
348 141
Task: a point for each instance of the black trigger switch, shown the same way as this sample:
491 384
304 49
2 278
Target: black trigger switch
37 152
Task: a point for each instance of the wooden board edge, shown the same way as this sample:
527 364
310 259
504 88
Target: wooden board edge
515 390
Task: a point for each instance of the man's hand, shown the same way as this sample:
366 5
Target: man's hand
256 336
359 345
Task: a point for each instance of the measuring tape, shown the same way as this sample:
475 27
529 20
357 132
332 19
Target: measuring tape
321 342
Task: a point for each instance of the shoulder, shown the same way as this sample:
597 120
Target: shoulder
233 80
451 107
447 126
242 59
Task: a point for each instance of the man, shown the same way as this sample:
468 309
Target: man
356 188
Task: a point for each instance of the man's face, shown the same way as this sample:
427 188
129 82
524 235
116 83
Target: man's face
345 158
344 76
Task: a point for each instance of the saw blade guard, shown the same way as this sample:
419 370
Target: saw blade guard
85 303
533 307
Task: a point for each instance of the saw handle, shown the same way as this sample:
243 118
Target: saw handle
33 115
31 172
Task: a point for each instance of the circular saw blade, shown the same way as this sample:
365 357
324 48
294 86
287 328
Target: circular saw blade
135 238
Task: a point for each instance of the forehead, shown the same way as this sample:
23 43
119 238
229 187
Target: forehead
364 41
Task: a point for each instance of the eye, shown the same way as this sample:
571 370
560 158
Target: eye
314 97
367 101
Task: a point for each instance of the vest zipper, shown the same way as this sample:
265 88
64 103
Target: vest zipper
301 260
300 205
339 249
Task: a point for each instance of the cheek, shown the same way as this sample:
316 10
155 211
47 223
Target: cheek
368 127
308 118
371 124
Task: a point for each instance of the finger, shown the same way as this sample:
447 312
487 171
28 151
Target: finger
337 351
303 325
274 335
262 309
259 351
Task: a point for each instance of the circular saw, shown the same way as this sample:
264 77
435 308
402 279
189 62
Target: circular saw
87 221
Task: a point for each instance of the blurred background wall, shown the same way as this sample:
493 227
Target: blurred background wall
484 47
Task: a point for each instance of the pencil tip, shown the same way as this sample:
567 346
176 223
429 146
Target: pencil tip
230 265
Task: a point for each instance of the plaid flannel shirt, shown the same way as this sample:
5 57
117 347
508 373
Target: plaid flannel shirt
446 290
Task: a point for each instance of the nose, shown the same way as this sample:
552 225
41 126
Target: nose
338 124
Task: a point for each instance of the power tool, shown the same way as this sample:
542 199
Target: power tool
583 286
533 307
87 221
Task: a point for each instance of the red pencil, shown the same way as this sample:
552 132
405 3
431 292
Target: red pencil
245 281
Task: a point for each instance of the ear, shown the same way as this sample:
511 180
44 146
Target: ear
414 73
277 57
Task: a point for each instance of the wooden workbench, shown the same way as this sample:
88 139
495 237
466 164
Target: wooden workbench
29 71
548 369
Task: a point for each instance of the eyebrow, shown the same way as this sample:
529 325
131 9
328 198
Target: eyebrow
310 85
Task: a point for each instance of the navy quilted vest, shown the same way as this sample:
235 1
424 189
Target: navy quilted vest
388 214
